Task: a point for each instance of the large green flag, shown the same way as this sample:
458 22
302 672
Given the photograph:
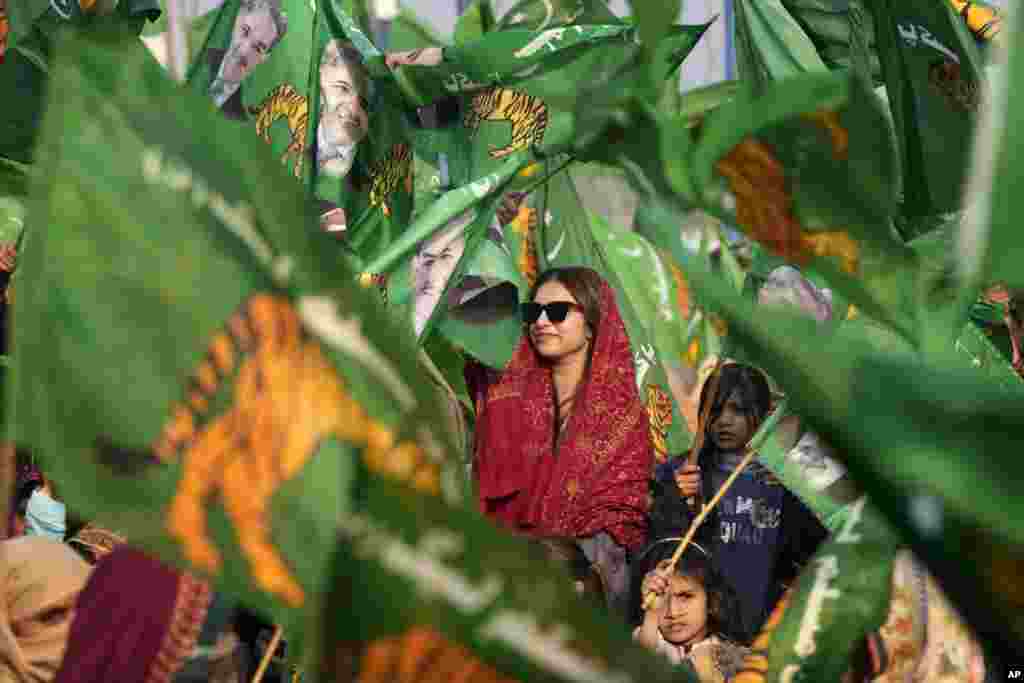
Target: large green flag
422 594
841 595
193 366
912 428
28 30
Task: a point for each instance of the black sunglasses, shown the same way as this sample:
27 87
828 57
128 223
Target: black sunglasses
557 311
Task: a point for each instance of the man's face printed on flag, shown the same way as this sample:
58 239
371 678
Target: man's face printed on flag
258 28
344 117
433 265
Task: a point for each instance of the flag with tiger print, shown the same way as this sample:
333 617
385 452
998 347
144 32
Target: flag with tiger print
502 80
325 105
229 397
231 379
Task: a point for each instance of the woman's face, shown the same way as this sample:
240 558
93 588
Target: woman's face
732 428
556 341
684 619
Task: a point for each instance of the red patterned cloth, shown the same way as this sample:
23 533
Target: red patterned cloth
596 480
136 620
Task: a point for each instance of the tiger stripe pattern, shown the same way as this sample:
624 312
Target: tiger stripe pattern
527 114
422 655
389 173
285 102
286 399
659 414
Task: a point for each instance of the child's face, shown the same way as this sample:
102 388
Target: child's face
732 429
684 619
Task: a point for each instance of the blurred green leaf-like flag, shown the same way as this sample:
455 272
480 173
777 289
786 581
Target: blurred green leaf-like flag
193 365
933 78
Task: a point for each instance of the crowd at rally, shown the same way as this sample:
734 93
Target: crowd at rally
562 455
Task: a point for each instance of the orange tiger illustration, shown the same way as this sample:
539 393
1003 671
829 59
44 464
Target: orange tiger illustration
527 114
286 399
659 413
389 173
422 655
284 102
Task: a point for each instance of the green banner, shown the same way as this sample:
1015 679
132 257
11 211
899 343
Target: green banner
193 366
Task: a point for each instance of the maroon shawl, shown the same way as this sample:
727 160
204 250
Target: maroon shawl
597 479
136 620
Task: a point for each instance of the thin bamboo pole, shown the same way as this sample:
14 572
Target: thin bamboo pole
268 655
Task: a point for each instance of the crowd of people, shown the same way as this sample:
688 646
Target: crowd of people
562 454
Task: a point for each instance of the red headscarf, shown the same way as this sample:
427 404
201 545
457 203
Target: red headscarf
597 479
136 620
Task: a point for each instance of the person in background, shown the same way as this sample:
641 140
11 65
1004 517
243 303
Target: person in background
44 514
694 617
760 533
562 442
139 620
42 580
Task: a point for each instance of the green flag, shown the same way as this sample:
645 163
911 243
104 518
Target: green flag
841 595
304 76
911 429
933 79
420 592
207 382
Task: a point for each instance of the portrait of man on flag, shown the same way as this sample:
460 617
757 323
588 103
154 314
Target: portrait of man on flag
259 26
344 107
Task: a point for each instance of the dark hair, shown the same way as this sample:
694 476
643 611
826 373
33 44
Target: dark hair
724 616
273 8
754 393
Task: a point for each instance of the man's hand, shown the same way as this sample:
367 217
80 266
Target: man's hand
427 56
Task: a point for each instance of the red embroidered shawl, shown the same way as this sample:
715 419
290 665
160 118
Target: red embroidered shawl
597 479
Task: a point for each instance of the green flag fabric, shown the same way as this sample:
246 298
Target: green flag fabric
841 595
420 592
333 125
933 79
214 374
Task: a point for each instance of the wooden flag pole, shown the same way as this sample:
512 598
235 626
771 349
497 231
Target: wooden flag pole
268 655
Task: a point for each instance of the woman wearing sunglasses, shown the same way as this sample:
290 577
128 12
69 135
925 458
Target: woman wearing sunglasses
562 442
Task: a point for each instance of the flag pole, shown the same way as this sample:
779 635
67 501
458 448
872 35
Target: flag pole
177 50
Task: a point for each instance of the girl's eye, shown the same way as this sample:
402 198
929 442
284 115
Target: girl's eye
245 30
